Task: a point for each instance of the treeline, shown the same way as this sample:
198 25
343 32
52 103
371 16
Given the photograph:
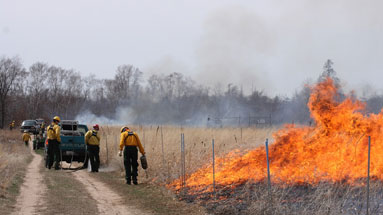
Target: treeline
43 90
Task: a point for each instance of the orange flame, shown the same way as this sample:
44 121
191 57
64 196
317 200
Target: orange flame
334 150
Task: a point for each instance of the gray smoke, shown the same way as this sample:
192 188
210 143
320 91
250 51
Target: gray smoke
234 48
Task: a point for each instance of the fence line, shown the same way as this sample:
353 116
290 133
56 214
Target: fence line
240 121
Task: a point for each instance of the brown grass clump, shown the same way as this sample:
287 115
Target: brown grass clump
14 157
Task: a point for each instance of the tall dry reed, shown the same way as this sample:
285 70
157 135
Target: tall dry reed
163 149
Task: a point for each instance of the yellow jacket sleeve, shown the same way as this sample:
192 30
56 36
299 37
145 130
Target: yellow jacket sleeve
98 137
57 132
122 140
139 144
87 136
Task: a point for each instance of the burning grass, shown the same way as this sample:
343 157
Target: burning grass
14 157
317 169
165 166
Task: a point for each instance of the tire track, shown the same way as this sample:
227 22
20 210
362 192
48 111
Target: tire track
108 202
32 190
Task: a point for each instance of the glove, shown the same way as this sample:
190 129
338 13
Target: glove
120 153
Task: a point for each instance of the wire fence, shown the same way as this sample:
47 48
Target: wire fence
240 121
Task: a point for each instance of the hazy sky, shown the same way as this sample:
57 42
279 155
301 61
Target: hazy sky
273 45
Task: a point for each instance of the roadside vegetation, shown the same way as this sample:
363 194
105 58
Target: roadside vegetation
14 158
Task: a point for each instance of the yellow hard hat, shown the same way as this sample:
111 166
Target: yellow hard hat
56 118
123 129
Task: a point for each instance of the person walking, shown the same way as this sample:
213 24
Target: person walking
129 141
26 137
54 140
92 140
12 125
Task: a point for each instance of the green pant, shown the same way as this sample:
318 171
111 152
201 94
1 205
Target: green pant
130 163
53 153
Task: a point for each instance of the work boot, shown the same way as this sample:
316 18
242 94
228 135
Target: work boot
135 183
128 182
135 180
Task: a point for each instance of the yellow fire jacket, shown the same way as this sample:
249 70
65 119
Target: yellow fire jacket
26 137
92 137
131 139
53 132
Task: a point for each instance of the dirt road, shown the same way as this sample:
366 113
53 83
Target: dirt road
108 202
32 190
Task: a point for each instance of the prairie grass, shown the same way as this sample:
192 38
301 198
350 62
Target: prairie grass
14 158
249 198
165 163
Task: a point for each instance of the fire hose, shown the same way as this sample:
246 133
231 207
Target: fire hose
78 168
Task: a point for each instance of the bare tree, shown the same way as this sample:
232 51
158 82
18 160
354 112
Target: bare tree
126 82
37 88
11 72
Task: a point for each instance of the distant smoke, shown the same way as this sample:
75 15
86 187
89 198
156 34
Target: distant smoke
89 118
234 48
123 116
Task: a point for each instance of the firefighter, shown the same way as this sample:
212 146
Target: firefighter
12 125
54 140
42 128
26 137
92 140
129 141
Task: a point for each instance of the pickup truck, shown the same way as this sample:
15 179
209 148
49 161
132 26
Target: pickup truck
72 147
30 126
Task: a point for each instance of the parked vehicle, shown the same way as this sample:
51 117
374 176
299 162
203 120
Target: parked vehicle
30 126
72 146
39 123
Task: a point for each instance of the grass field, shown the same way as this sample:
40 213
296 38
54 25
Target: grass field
163 149
249 198
162 146
14 158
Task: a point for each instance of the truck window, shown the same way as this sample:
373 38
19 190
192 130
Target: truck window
69 127
82 130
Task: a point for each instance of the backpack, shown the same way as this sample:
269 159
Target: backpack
50 131
94 133
130 133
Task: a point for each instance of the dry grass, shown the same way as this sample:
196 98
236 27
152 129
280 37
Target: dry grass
166 166
14 158
249 198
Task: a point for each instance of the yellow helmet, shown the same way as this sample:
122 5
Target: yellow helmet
56 118
124 129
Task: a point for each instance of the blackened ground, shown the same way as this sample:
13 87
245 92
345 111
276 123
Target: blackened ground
324 198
